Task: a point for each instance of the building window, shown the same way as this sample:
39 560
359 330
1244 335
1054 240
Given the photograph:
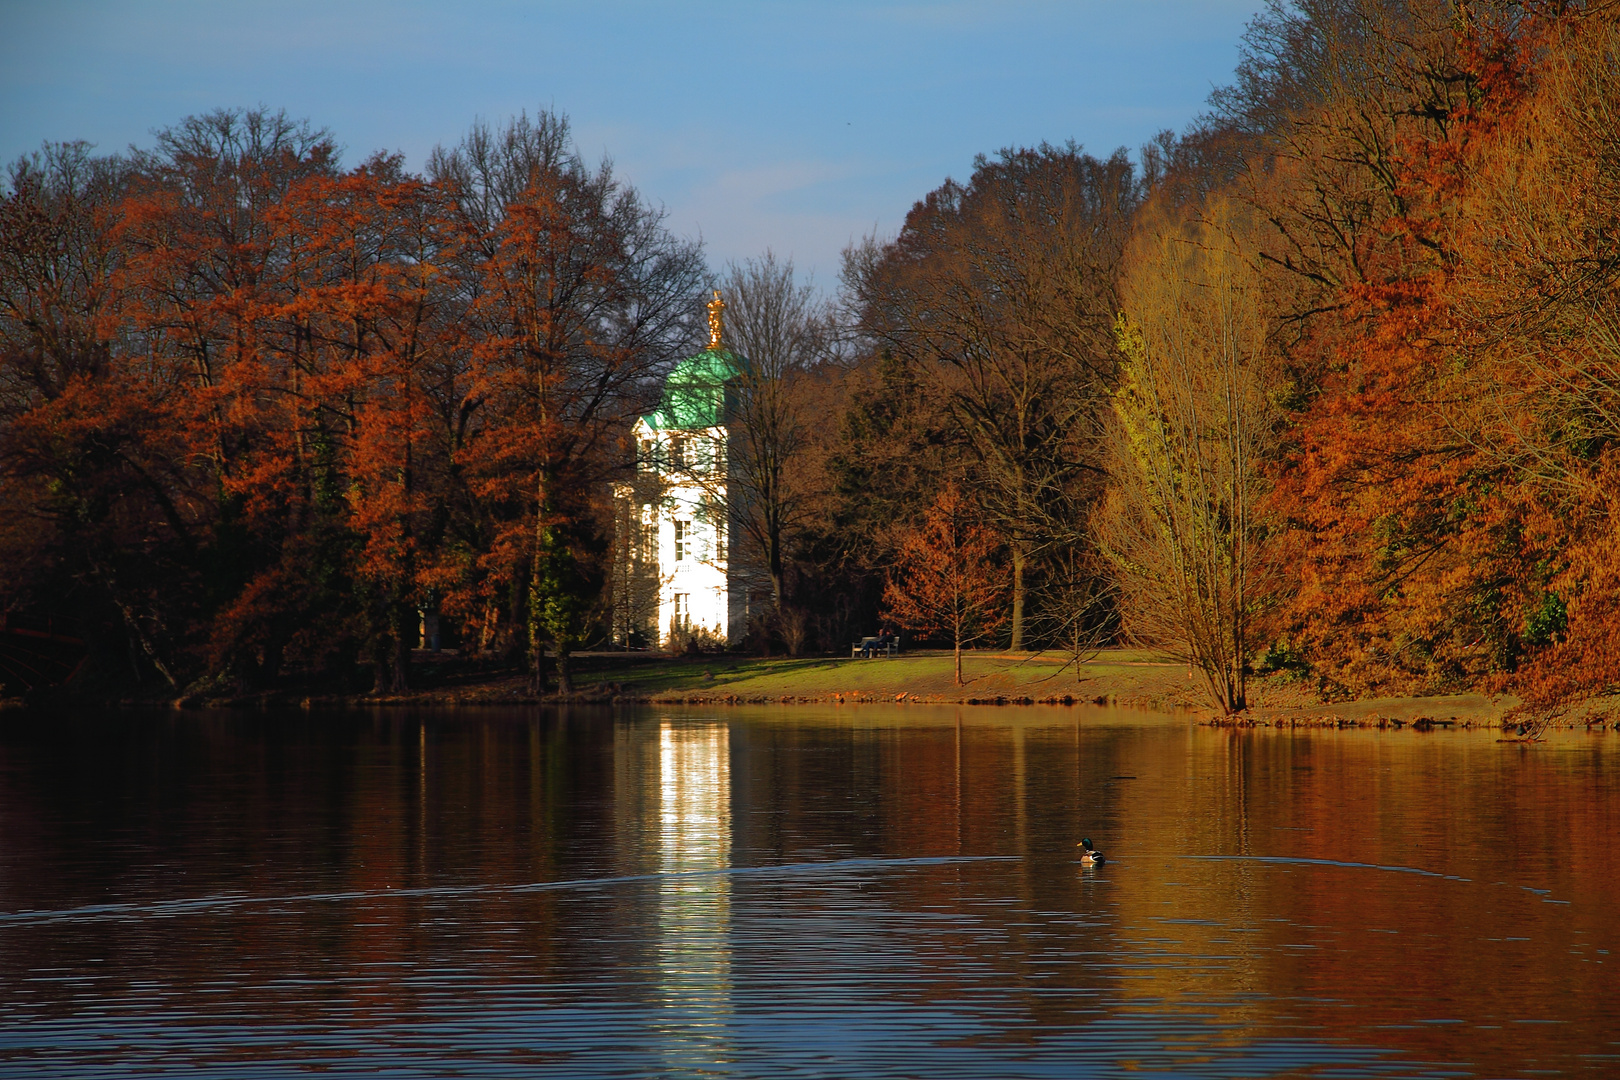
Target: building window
677 452
683 611
645 461
683 539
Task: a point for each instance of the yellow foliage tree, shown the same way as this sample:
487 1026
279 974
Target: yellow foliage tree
1192 423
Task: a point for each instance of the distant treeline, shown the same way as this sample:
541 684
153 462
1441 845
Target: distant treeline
1327 385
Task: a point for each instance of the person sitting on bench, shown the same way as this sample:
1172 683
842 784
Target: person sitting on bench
868 646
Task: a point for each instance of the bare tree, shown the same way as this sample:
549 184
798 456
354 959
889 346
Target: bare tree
1192 424
999 294
1329 97
782 330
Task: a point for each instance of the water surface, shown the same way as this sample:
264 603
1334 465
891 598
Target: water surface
800 892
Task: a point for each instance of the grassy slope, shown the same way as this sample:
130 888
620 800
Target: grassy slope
1130 677
1125 676
927 674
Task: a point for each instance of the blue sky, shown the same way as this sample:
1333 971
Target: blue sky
797 126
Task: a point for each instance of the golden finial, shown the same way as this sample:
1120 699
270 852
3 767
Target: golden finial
716 306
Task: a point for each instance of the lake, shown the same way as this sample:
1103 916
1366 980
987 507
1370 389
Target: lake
862 891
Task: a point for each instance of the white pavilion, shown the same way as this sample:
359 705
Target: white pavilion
675 575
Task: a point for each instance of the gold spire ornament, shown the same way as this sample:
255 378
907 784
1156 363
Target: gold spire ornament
716 306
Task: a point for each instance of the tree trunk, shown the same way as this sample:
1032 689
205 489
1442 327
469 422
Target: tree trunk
380 671
1237 697
145 642
773 559
405 610
565 672
404 631
956 639
538 683
1019 560
537 643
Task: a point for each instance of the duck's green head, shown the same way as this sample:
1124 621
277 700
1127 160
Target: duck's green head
1086 843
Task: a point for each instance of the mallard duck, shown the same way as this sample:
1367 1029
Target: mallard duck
1089 854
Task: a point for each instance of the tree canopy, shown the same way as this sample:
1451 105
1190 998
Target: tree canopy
1327 384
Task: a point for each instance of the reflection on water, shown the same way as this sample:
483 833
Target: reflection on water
694 906
871 892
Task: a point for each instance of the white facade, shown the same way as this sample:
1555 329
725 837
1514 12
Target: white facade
688 520
676 573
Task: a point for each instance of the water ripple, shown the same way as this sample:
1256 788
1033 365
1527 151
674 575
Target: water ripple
204 904
1287 860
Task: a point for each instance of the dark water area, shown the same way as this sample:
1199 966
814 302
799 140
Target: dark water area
860 892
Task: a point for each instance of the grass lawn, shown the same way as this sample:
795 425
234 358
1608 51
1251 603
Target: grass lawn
1130 677
926 674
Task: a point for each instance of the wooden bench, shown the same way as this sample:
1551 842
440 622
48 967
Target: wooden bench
871 647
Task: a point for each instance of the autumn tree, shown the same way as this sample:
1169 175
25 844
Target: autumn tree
579 295
1348 135
210 269
945 578
998 293
366 297
1335 106
260 409
95 519
1536 305
1185 524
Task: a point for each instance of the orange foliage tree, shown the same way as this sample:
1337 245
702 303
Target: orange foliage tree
259 410
578 297
1439 182
946 580
1409 544
1536 304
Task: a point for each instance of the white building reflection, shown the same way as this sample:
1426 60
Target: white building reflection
694 899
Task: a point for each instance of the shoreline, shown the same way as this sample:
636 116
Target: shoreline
1122 678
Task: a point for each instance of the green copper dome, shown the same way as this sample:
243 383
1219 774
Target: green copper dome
695 392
